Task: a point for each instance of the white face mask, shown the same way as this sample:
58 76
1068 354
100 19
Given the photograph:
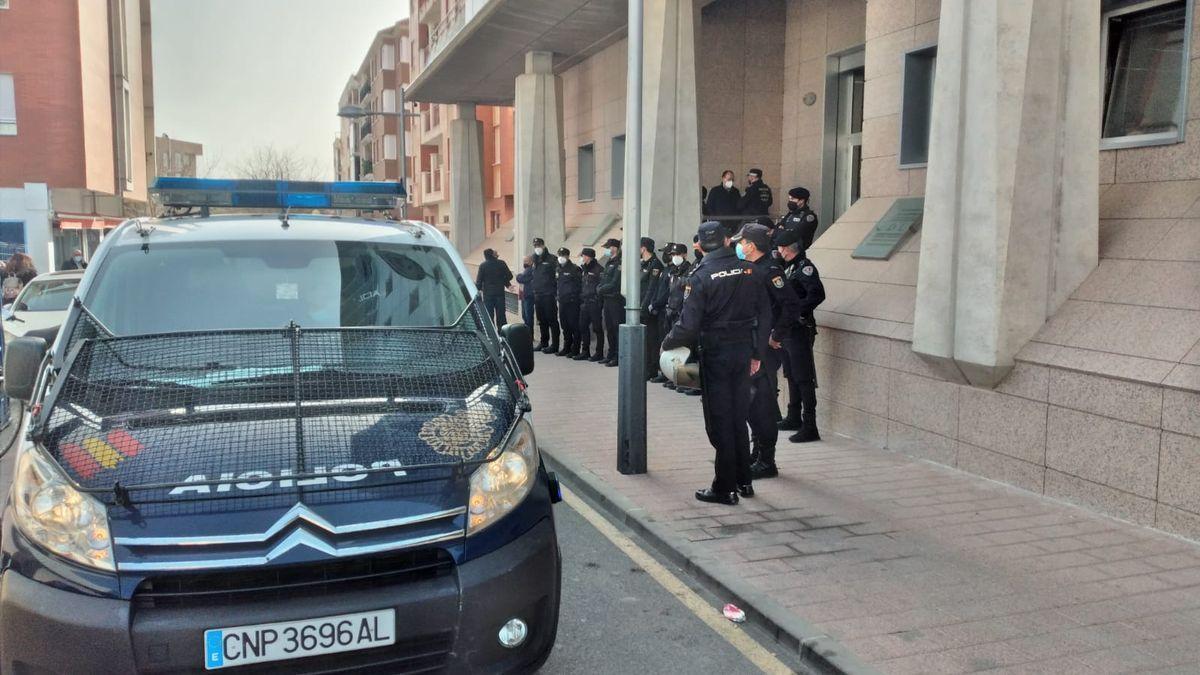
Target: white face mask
77 258
562 260
539 250
605 252
677 260
728 184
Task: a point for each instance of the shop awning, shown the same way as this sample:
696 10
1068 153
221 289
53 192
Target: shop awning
74 221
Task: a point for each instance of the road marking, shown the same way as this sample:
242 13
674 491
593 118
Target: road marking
749 648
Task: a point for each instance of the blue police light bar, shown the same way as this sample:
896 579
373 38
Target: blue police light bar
276 194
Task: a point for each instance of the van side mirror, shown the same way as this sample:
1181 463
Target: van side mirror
22 362
520 341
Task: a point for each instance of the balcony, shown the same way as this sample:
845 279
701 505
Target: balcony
448 27
364 90
364 128
429 11
366 169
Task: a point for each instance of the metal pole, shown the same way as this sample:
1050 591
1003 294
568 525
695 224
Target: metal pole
403 155
631 383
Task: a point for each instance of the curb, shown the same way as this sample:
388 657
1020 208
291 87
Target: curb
814 647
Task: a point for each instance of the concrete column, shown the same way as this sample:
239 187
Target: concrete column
466 180
670 143
1011 210
538 180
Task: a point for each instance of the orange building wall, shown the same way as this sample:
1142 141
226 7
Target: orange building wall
501 119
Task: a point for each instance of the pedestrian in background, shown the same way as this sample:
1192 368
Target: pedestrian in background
802 373
545 290
75 262
609 291
720 311
591 311
652 270
492 279
19 271
757 199
570 285
525 294
723 201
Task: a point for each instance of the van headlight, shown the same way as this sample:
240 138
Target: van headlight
58 517
500 485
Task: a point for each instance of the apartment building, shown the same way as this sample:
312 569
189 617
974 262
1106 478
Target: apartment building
174 157
1009 192
366 148
76 122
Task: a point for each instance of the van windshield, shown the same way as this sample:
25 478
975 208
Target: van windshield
259 284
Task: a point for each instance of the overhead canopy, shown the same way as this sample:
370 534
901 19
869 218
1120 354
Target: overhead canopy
480 63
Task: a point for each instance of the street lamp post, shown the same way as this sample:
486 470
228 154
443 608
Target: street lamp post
631 382
358 112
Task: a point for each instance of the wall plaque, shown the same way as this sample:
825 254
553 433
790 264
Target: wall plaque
889 233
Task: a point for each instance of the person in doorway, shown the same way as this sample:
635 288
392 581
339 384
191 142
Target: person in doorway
525 294
609 290
799 217
753 244
723 201
722 306
757 199
570 282
591 312
802 372
75 262
492 279
545 289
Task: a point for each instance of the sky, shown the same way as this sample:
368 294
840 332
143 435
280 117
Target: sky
236 74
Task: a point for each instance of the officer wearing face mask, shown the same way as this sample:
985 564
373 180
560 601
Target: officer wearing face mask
591 313
545 290
757 199
609 290
658 303
802 372
570 286
800 218
652 272
677 275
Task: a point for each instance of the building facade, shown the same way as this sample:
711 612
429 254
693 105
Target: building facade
367 148
1009 193
173 157
76 123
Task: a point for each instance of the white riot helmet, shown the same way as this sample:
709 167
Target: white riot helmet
675 366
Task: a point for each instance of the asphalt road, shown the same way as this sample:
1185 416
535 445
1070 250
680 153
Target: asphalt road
616 618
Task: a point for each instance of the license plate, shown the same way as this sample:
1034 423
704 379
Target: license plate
242 645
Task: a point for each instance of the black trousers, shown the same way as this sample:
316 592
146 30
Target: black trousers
614 309
764 408
546 309
568 317
494 304
654 338
725 383
802 377
591 322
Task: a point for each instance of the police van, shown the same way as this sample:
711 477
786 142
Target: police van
276 443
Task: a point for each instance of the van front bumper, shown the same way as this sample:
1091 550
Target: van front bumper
451 622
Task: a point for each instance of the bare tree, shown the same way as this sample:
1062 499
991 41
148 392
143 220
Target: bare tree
266 162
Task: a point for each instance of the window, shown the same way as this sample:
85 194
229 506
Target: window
496 146
12 237
8 106
3 4
497 182
587 172
916 106
1145 72
618 167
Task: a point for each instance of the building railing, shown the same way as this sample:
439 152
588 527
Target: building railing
448 27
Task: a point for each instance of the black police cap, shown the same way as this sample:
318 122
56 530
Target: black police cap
711 235
538 241
589 252
564 251
756 234
648 243
757 173
612 242
787 237
798 193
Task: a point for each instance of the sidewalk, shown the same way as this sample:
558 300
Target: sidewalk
911 567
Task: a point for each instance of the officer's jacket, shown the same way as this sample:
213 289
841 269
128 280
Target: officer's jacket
610 281
592 273
804 279
785 304
802 220
545 272
723 301
570 282
677 279
652 275
756 200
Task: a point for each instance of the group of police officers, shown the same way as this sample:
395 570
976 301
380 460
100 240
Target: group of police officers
744 309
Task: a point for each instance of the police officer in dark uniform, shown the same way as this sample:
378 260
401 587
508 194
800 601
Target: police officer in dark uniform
545 288
570 285
802 379
591 315
658 304
609 290
652 275
757 199
724 303
799 217
754 245
677 276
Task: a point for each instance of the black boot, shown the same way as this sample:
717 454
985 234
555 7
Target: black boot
791 423
726 498
670 385
805 435
658 379
582 356
565 351
598 358
746 491
760 470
